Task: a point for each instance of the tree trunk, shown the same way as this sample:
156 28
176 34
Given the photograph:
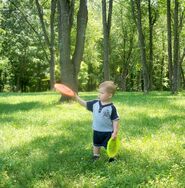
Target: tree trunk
176 72
126 55
181 22
181 69
66 67
142 46
183 78
49 42
162 62
52 44
69 68
152 20
106 34
80 39
170 65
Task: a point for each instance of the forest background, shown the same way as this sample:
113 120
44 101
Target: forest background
138 44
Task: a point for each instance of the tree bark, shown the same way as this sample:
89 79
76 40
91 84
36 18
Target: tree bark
176 75
170 65
66 67
181 69
80 39
106 35
69 67
142 45
162 62
152 20
49 42
52 44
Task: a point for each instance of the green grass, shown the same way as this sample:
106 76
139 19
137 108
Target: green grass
44 144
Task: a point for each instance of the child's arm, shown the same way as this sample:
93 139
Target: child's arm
115 129
80 101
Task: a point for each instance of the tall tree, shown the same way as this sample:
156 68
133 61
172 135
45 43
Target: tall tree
49 40
151 20
181 48
52 43
181 69
162 62
170 65
70 67
127 45
136 11
106 37
176 75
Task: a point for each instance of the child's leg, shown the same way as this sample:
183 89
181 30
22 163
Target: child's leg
96 151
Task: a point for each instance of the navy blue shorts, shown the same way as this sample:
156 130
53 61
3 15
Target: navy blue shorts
101 138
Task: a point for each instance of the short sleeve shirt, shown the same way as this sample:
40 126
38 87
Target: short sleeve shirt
103 115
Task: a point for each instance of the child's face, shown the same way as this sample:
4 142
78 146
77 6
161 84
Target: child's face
104 96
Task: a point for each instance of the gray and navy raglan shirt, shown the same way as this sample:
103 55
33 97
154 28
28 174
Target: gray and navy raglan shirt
103 115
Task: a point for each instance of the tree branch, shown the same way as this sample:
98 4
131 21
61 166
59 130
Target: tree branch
31 26
40 14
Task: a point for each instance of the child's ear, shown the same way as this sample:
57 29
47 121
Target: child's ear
110 95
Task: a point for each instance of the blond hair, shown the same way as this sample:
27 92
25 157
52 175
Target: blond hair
109 86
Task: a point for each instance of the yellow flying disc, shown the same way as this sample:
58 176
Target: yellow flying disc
113 146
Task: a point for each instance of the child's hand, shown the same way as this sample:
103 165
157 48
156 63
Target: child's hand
114 135
75 95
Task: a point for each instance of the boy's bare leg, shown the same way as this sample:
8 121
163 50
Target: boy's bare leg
96 151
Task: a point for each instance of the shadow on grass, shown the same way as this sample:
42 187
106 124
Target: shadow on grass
18 114
16 94
7 108
43 157
143 124
156 99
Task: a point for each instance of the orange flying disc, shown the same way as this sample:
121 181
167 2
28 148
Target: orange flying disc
64 90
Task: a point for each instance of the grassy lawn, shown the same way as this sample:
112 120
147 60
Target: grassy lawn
44 144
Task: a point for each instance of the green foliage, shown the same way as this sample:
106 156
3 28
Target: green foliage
25 56
125 56
92 52
20 46
83 76
47 144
